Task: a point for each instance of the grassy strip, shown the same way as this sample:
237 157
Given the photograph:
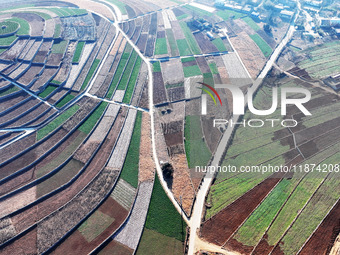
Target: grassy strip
59 47
132 81
264 47
124 58
161 46
47 91
253 229
9 91
156 66
65 100
190 71
227 14
198 11
56 82
57 31
90 122
219 44
78 52
7 41
127 72
90 73
183 47
251 23
183 16
131 164
172 42
188 59
163 216
196 149
41 133
190 38
120 5
213 68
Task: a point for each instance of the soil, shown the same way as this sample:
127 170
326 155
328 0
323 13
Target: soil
159 93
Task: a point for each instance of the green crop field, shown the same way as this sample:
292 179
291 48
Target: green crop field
8 26
65 100
24 26
213 68
120 5
208 79
123 60
132 81
41 133
251 23
161 46
163 216
183 47
264 47
8 91
227 14
59 47
127 72
78 52
196 149
172 42
188 59
131 164
91 121
7 41
191 71
156 67
57 31
183 16
219 44
190 38
90 73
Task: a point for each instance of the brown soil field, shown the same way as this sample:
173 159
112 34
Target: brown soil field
30 156
30 174
115 247
8 136
324 237
182 185
176 94
32 102
9 102
146 164
27 217
221 226
250 53
204 43
39 113
93 6
141 44
12 53
37 23
159 93
77 244
171 72
203 65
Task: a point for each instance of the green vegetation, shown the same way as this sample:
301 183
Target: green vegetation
161 46
154 243
57 31
265 48
78 52
127 72
163 216
213 68
24 26
253 229
91 121
176 85
8 26
172 42
65 100
8 91
90 73
208 79
198 11
188 59
183 47
47 91
132 81
123 60
59 47
67 12
251 23
227 14
190 38
156 66
56 82
191 71
196 149
131 165
41 133
183 16
120 5
219 44
95 225
7 41
44 15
